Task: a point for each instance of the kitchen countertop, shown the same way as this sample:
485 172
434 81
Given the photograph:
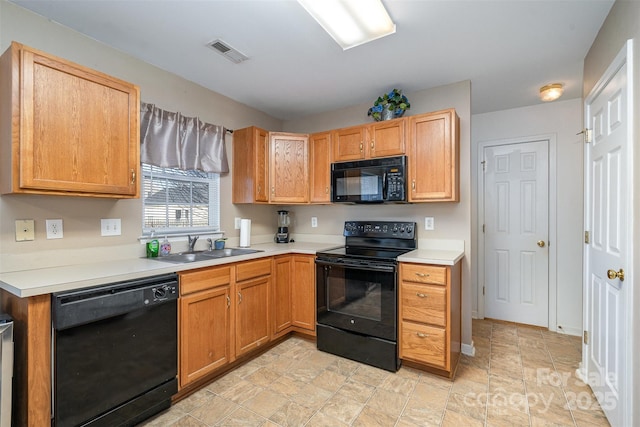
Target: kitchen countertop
33 282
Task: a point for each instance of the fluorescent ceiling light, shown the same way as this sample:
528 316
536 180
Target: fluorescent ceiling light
351 22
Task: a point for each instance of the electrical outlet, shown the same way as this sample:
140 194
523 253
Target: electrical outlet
54 229
314 221
25 230
110 227
429 223
237 224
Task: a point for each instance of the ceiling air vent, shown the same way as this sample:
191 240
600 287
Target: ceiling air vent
227 51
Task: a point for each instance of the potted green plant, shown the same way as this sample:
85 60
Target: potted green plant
389 106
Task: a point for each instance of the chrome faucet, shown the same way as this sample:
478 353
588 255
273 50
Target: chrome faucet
210 244
192 242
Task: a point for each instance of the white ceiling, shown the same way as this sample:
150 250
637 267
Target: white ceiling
507 48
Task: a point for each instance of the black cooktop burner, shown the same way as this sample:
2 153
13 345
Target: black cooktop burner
365 252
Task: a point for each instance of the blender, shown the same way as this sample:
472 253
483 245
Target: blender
282 235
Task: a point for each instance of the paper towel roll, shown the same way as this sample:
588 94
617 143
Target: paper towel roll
245 233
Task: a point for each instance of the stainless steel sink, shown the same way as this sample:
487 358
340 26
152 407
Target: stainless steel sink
184 257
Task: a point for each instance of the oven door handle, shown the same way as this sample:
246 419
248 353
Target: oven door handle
385 268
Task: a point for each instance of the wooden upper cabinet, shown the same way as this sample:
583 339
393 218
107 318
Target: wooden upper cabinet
289 167
349 143
66 129
434 157
250 165
387 138
320 167
380 139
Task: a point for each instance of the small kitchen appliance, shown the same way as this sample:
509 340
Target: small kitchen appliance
282 235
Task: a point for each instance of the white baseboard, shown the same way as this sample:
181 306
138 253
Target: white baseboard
468 349
568 330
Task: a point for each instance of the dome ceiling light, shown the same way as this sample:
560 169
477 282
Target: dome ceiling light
551 92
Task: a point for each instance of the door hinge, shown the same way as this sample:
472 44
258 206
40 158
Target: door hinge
484 164
483 228
483 290
587 135
586 237
585 337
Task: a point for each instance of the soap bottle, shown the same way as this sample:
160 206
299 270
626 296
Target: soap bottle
165 247
152 247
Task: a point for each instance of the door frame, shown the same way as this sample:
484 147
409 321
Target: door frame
624 56
552 279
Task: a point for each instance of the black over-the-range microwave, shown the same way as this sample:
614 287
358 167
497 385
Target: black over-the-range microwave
380 180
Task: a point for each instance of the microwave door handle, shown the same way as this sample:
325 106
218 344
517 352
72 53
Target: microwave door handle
384 186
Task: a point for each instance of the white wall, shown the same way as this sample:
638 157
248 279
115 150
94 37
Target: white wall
563 119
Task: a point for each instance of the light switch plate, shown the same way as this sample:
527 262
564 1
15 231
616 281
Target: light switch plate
25 230
54 229
110 227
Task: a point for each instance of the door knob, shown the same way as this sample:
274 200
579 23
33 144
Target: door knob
612 274
541 243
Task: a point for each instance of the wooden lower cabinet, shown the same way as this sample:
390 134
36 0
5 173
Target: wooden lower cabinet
429 316
253 285
303 292
205 322
281 302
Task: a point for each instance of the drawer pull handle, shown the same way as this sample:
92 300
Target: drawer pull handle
422 274
420 295
421 335
239 296
228 301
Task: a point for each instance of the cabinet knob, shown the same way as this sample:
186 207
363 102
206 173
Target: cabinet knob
259 188
326 190
239 296
228 301
273 190
421 335
361 146
133 176
373 143
421 295
413 185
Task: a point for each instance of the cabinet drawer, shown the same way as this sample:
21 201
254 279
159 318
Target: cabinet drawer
195 281
424 274
424 303
251 269
424 344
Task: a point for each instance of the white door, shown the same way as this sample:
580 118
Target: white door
607 216
516 232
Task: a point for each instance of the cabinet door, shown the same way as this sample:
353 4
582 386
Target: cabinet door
250 172
261 142
387 138
252 314
281 303
434 157
289 168
349 143
320 167
79 130
204 333
303 292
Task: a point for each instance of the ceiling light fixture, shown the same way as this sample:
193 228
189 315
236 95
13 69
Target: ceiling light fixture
551 92
351 22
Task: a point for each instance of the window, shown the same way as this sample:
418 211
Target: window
177 201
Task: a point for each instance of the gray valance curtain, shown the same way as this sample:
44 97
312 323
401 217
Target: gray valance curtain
172 140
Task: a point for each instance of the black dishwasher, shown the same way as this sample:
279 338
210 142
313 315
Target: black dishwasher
114 353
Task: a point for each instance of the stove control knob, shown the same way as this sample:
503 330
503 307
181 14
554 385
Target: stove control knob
409 229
